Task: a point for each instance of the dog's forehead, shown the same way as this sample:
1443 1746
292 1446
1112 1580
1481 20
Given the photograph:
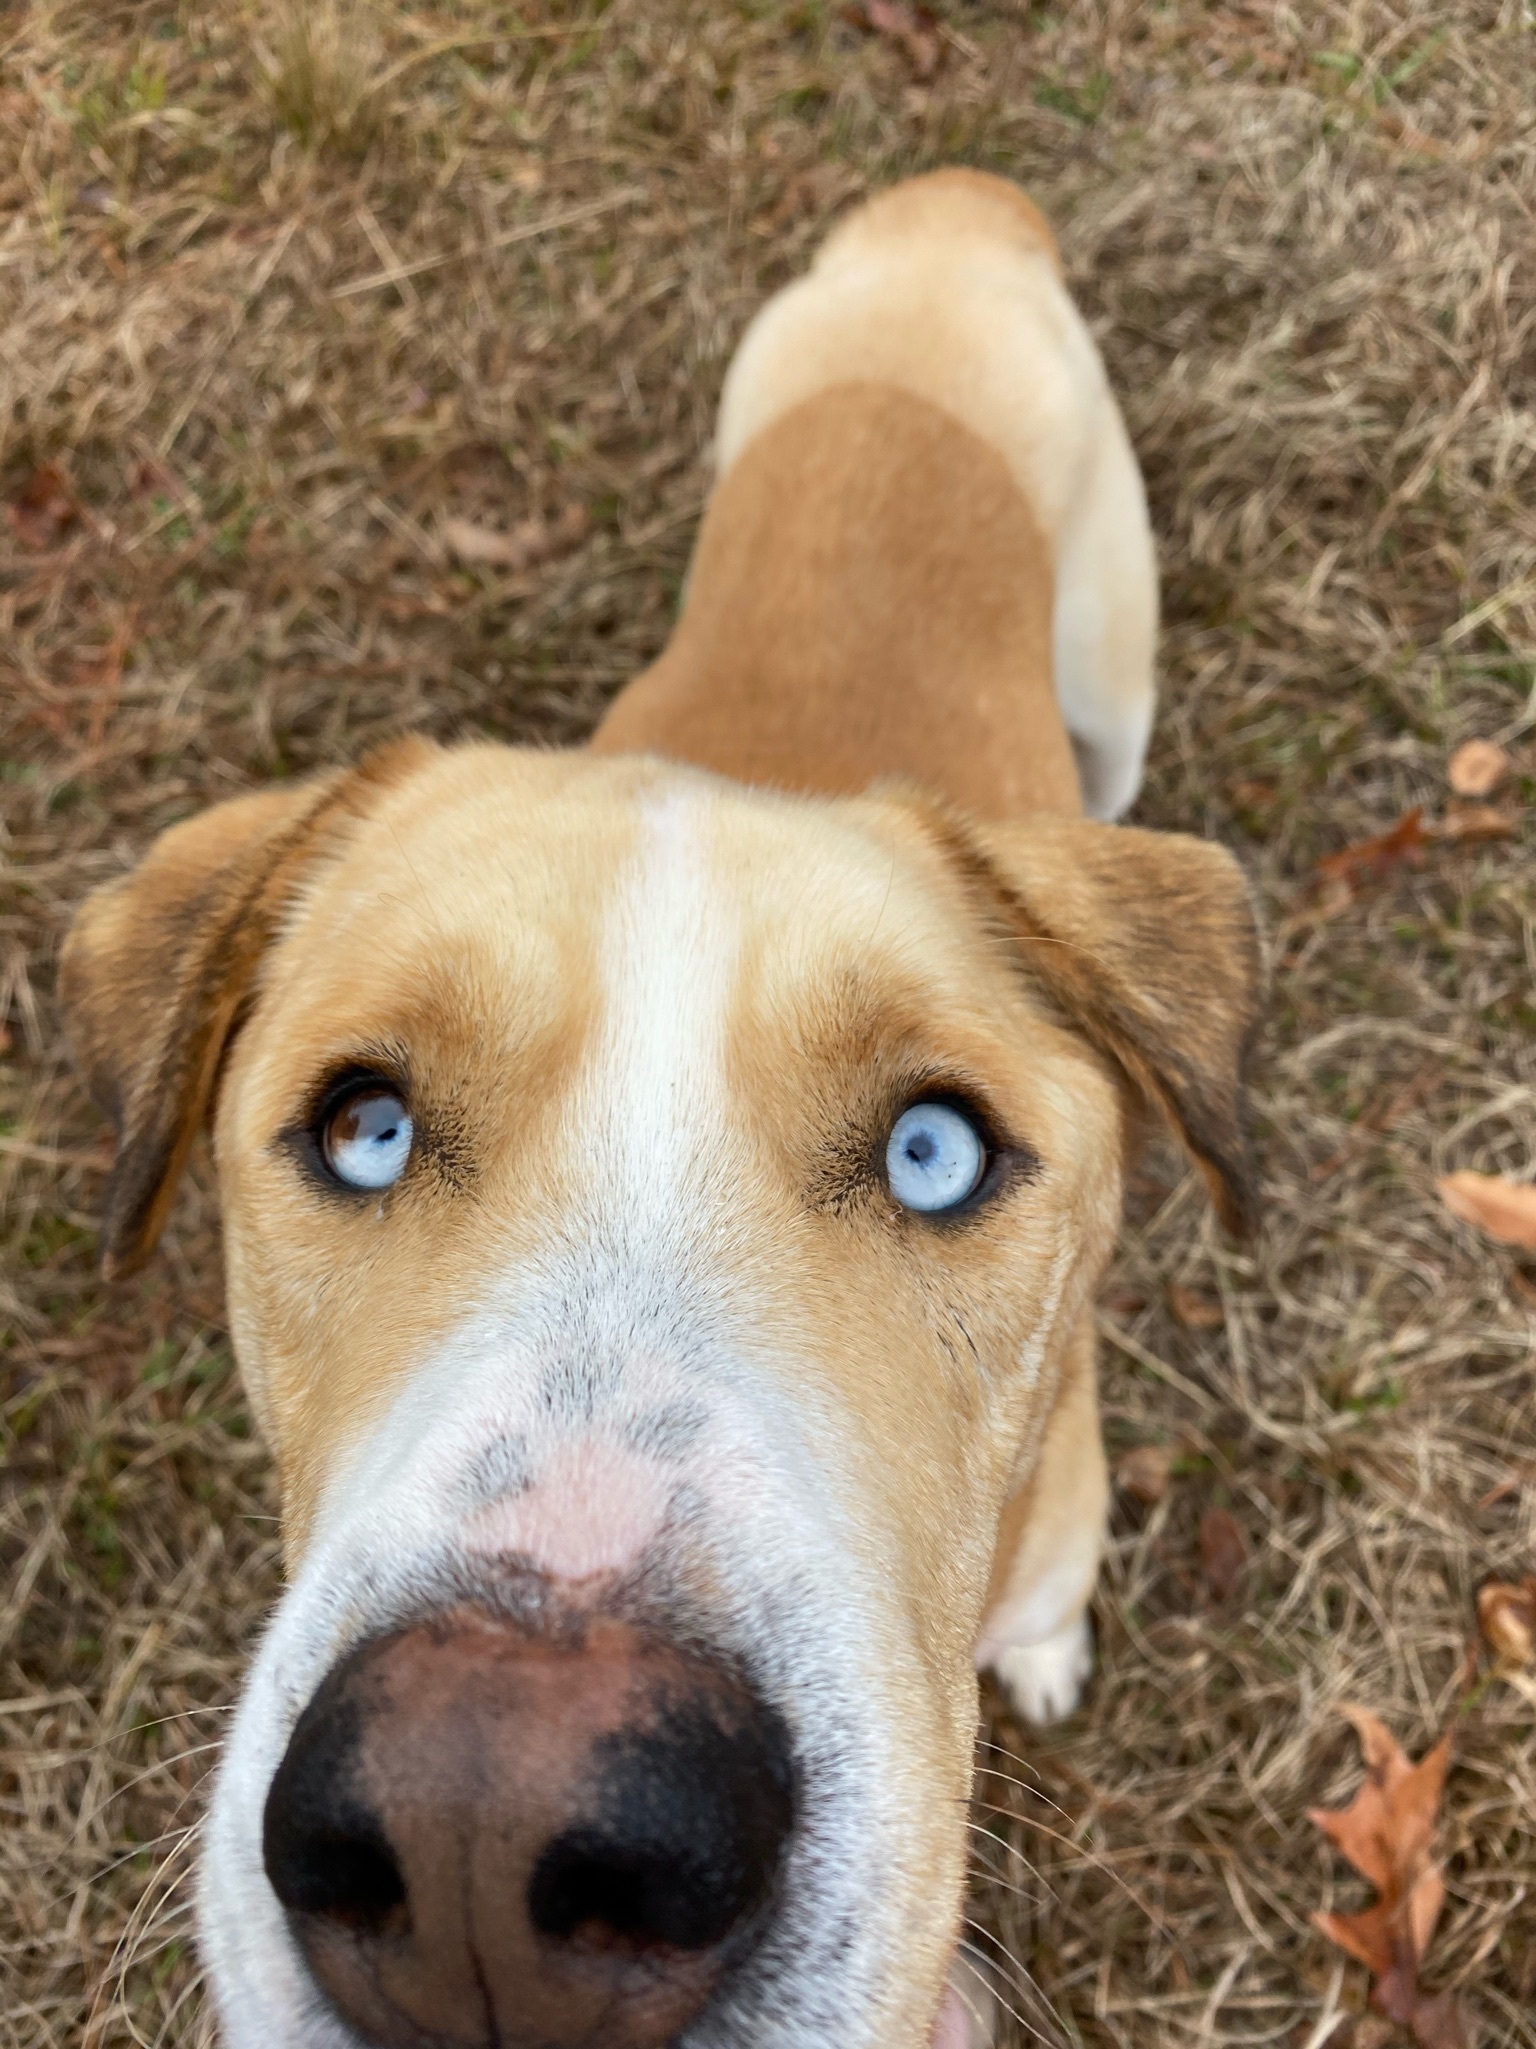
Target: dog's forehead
524 871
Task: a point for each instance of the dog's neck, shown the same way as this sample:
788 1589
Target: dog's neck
870 597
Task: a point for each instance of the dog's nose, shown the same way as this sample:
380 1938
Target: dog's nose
484 1837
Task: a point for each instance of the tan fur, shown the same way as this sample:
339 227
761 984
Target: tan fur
871 598
955 202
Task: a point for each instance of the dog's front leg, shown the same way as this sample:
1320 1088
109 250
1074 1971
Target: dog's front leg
1036 1635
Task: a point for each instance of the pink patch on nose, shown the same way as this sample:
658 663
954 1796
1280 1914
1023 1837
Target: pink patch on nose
593 1509
952 2029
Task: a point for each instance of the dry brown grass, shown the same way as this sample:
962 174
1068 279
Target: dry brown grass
283 288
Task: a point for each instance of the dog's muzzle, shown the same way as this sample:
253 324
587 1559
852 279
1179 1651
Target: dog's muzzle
485 1836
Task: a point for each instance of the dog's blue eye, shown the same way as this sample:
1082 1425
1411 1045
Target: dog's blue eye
367 1139
935 1157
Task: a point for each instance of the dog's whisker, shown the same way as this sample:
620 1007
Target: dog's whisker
994 1881
1009 1848
1019 1982
1095 1859
192 1714
150 1930
1002 1750
1035 1792
159 1769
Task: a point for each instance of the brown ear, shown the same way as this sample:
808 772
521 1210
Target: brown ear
157 967
1147 941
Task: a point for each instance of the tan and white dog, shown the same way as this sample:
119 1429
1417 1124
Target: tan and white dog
664 1187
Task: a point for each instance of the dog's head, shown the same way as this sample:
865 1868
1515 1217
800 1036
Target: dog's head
655 1211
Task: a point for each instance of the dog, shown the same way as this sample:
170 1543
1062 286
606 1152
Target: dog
664 1185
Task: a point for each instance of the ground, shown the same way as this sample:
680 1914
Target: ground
284 292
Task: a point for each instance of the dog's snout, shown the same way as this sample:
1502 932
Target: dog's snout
481 1836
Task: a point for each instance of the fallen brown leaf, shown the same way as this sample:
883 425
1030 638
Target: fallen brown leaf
149 475
1125 1301
1370 859
1477 768
1386 1833
1194 1310
914 30
530 541
1468 1676
1468 822
1506 1615
1223 1553
1143 1472
43 508
1505 1209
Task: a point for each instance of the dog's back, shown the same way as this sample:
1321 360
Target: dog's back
927 552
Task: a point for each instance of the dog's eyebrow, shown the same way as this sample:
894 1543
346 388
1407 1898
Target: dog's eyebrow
368 1060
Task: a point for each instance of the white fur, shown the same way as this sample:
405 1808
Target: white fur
987 331
1044 1681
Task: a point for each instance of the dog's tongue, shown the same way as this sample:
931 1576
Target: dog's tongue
952 2029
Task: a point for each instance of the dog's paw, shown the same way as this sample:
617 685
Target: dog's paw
1044 1681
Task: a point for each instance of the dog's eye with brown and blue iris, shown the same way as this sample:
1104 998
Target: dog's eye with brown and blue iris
365 1139
935 1158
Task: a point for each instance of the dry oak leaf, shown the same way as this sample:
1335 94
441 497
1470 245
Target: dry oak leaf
1125 1301
1505 1209
1194 1310
43 508
1507 1616
1366 860
1223 1553
1143 1472
1386 1833
1477 768
914 30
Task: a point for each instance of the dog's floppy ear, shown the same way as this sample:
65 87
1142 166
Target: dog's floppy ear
1147 942
157 966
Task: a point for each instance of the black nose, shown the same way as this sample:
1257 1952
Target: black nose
689 1819
481 1838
